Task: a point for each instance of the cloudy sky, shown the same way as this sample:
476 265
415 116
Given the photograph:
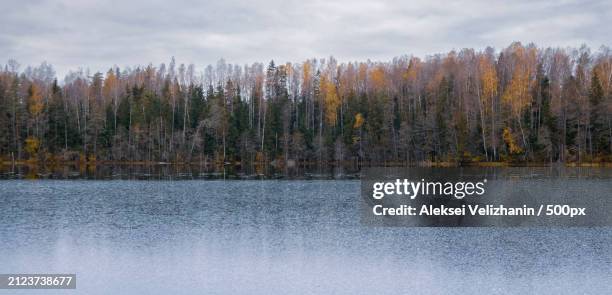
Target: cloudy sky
98 34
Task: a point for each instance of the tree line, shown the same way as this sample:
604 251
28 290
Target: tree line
521 104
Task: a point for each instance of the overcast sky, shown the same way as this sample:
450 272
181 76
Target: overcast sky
71 34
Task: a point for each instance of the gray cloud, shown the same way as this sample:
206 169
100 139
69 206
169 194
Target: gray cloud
99 34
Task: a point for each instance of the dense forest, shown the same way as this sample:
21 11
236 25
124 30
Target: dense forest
520 104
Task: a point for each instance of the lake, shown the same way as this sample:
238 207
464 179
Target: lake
273 237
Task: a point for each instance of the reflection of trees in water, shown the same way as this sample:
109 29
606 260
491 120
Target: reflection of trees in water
259 170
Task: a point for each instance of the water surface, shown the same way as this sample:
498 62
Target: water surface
273 237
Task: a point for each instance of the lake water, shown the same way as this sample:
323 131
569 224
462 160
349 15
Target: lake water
273 237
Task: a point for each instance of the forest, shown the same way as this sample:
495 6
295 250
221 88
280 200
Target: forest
521 104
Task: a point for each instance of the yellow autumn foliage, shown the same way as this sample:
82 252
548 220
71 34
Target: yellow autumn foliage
331 100
32 144
359 120
412 72
509 140
517 95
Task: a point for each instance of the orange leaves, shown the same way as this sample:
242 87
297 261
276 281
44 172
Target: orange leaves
516 94
307 73
306 70
35 100
378 78
110 84
307 77
488 77
362 73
